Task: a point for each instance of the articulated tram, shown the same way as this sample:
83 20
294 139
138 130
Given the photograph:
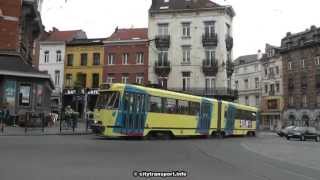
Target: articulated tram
130 110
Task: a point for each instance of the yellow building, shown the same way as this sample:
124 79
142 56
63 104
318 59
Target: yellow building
84 63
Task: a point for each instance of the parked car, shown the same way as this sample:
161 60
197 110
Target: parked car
285 131
304 133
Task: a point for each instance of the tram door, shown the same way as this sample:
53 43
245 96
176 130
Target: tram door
134 114
205 118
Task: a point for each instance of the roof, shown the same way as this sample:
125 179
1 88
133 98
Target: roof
246 59
96 41
179 4
129 34
13 65
65 35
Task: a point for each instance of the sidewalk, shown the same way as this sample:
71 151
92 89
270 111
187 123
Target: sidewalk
55 130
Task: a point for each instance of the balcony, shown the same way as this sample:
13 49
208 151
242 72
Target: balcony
216 92
230 68
162 41
229 43
210 67
272 93
210 40
162 68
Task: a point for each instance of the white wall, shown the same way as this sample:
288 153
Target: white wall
53 65
197 50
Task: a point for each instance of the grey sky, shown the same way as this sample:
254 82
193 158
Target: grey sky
257 21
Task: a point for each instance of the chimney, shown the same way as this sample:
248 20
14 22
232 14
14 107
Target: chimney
259 54
116 30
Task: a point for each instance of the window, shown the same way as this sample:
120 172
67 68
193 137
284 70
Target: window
163 29
57 78
39 97
24 95
185 29
194 108
46 57
139 79
256 68
155 104
273 104
210 83
210 56
277 87
246 84
245 115
183 107
303 64
70 60
163 57
236 84
265 72
110 79
317 60
95 80
96 59
125 58
186 51
186 78
290 84
84 59
318 100
247 100
169 106
245 68
228 29
108 100
277 70
111 58
272 91
209 28
257 100
82 79
291 100
140 58
257 84
304 101
68 80
124 79
290 65
59 56
266 88
317 81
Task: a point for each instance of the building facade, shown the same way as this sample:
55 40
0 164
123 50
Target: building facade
126 56
301 77
84 67
52 54
22 88
247 79
271 89
191 46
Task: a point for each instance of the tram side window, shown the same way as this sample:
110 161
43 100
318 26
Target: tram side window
194 108
245 115
155 104
183 107
169 106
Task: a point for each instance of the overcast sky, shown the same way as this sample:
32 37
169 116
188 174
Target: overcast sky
257 22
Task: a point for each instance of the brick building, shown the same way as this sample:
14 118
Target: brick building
126 56
22 88
301 77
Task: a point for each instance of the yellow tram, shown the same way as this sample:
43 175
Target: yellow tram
130 110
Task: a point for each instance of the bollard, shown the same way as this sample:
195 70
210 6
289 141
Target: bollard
42 121
26 122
